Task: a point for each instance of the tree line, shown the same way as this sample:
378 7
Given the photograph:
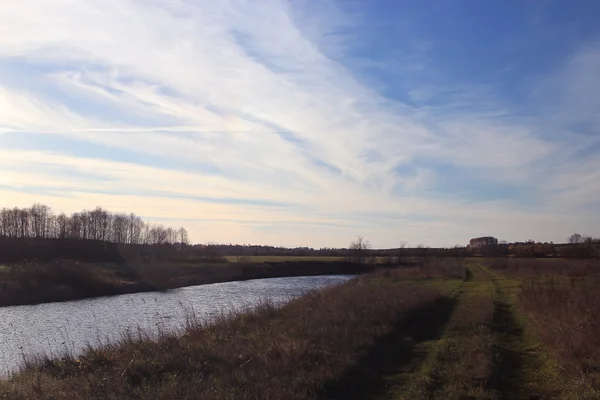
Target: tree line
95 235
484 241
40 222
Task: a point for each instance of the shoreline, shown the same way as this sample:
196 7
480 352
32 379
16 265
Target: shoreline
303 349
32 284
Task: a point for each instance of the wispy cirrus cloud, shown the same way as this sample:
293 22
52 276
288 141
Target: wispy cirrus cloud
257 122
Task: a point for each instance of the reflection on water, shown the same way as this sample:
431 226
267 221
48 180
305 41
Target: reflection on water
55 328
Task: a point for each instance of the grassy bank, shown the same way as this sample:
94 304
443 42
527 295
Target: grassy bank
459 362
307 349
454 329
33 283
558 300
490 346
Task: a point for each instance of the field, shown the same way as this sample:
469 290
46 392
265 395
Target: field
260 259
454 329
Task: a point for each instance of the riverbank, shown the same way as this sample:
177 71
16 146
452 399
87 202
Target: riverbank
35 283
477 329
308 348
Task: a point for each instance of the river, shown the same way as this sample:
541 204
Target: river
57 328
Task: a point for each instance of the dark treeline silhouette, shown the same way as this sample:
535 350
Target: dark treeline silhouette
37 233
484 241
97 235
91 235
347 253
352 253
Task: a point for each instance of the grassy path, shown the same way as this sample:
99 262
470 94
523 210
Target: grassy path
457 362
481 350
522 370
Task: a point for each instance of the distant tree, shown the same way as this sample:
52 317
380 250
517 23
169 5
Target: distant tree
62 226
183 236
359 250
401 252
212 251
575 238
484 241
39 218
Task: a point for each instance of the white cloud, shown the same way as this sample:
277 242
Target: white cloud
24 111
227 77
571 94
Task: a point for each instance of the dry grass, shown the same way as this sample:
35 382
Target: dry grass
460 363
561 300
294 352
466 358
536 267
58 281
565 315
34 283
260 259
438 269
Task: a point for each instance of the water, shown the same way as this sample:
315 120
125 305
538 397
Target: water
56 328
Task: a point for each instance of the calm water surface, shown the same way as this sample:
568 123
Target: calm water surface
56 328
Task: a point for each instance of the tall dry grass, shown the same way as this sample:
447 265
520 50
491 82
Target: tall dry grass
293 352
32 283
61 280
436 269
561 300
537 267
565 314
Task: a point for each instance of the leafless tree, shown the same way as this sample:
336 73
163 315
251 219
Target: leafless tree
401 252
39 222
359 250
576 238
183 239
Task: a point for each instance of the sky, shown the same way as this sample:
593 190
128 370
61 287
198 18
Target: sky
307 123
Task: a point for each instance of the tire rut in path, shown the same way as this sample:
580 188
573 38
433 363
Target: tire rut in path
370 377
400 380
380 369
516 364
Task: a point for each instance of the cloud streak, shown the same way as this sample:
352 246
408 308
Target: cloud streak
252 114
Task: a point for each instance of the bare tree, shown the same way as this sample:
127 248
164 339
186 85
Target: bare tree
118 228
575 238
183 239
24 223
401 252
359 250
135 229
62 226
39 223
183 235
38 214
158 235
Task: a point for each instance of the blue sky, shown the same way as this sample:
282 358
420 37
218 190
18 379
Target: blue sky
307 123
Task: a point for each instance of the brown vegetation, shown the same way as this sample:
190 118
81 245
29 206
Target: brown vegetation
565 314
303 350
460 364
560 300
33 283
428 269
535 267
